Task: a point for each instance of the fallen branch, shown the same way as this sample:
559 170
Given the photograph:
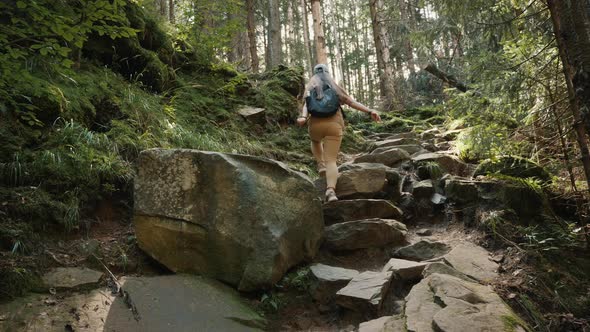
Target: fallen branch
119 291
449 79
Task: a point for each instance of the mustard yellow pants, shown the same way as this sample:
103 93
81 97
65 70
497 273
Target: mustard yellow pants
326 136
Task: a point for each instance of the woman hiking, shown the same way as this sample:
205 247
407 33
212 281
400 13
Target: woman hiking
326 122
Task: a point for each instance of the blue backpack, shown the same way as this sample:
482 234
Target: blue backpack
325 107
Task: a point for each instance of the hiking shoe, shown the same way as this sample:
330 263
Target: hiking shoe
331 195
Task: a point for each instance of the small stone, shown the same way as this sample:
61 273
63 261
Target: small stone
498 258
438 199
252 114
424 232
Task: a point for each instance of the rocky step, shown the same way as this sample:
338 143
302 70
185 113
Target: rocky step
409 148
365 292
449 163
358 209
361 234
381 136
422 250
396 142
365 181
442 302
391 157
327 280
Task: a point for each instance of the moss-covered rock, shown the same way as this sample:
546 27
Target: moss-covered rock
515 167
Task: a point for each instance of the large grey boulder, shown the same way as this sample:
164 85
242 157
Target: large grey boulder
369 233
365 292
445 303
357 209
240 219
391 157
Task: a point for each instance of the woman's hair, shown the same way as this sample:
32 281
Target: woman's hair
321 77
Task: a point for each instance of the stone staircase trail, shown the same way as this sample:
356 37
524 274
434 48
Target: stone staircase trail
398 278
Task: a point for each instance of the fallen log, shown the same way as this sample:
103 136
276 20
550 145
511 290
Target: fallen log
449 79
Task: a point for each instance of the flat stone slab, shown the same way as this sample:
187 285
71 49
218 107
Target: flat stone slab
365 292
367 233
391 157
348 210
71 278
384 324
328 280
163 303
473 261
409 148
404 269
442 268
423 250
397 141
445 303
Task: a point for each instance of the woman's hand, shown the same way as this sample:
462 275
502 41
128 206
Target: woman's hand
375 116
301 121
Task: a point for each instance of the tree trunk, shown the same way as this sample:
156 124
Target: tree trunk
290 33
251 26
274 28
171 11
163 6
306 36
318 30
381 38
406 21
576 99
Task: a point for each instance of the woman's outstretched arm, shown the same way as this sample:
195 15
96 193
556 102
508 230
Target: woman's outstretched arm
358 106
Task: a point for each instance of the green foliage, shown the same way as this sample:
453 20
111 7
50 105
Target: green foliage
17 281
299 280
430 170
272 302
514 166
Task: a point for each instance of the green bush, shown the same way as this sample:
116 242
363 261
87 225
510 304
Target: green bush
515 167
